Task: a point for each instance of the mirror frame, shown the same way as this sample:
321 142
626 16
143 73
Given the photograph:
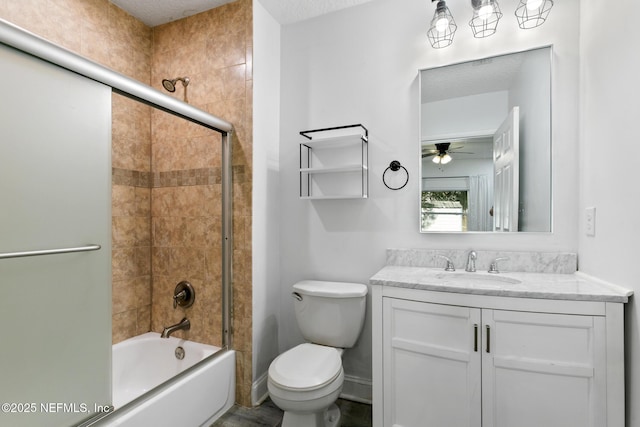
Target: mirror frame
551 145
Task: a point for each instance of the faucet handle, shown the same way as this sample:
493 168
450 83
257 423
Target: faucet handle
450 266
493 267
179 297
183 295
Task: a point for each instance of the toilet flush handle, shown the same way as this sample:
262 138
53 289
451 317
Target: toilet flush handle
296 296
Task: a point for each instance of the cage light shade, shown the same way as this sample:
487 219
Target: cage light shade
486 14
532 13
442 27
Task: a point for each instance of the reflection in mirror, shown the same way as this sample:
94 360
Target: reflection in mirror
486 145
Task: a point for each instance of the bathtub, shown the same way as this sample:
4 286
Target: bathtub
152 387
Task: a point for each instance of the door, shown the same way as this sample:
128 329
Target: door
542 369
55 192
431 365
506 173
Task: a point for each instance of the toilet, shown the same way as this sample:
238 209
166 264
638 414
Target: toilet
305 381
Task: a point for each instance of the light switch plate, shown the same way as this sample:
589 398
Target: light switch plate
590 221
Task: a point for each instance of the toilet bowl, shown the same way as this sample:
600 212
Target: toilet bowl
306 380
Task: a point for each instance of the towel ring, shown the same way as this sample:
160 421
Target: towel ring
395 166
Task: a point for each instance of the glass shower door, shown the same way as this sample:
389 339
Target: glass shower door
55 192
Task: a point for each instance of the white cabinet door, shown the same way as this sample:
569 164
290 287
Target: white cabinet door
543 370
460 366
431 365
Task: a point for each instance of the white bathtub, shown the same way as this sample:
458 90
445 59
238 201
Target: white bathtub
193 398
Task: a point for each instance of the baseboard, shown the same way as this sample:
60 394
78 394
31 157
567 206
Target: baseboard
354 388
259 391
357 389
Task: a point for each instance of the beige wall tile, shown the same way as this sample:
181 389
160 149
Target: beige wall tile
143 323
213 55
123 200
124 325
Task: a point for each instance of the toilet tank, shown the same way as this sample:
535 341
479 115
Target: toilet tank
330 313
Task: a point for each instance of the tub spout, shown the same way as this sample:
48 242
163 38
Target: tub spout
183 325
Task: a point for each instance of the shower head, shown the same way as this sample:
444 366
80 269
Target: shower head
170 85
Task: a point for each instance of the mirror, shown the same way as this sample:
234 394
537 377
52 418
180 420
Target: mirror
485 145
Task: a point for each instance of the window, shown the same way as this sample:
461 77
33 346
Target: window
444 210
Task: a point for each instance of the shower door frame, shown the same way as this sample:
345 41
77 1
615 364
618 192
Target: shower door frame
29 43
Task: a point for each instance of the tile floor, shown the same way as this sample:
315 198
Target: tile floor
268 414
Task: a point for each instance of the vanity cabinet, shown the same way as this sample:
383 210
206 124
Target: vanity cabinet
459 360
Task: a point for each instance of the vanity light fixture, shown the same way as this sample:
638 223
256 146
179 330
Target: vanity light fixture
486 14
442 27
532 13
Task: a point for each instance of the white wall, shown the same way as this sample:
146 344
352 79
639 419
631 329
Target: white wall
266 209
471 115
458 167
535 129
610 110
360 65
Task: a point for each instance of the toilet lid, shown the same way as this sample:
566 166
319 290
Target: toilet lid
307 366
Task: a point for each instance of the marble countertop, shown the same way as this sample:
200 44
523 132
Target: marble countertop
574 286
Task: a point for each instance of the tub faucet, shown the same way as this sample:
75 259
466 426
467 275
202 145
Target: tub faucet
183 325
471 262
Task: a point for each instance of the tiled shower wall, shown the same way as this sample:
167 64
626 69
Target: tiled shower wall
213 49
166 219
131 215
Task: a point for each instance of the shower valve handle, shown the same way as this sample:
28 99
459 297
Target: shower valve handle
180 296
183 295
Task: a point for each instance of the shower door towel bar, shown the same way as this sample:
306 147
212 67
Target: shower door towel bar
86 248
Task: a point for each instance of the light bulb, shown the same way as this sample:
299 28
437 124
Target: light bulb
445 159
485 12
442 24
436 160
533 4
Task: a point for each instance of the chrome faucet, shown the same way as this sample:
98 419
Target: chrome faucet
471 262
183 325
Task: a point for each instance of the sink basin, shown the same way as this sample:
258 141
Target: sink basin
477 278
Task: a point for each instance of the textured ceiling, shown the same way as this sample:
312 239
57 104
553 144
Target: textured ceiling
290 11
157 12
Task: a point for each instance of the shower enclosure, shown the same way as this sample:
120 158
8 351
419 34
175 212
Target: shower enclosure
55 221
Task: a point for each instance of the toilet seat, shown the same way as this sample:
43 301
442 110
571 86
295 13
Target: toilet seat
306 367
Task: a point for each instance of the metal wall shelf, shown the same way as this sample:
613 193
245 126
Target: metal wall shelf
334 163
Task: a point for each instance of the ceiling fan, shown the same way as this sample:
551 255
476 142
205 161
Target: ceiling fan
441 152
